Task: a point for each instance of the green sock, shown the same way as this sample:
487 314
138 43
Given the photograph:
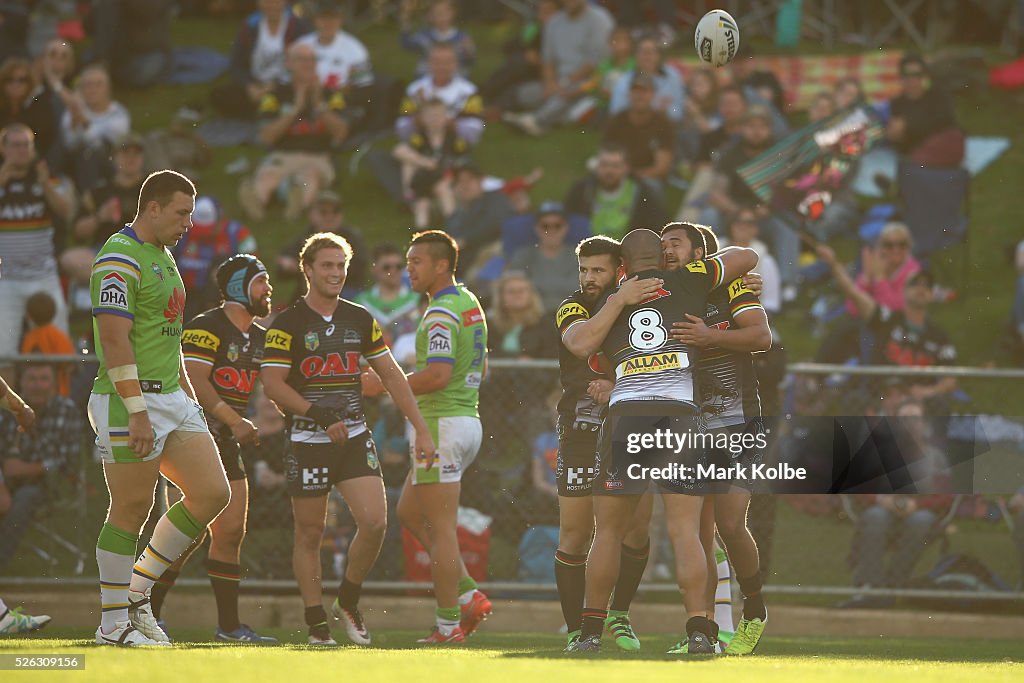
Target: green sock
466 584
616 613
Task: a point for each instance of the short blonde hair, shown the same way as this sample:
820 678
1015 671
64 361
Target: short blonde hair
323 240
896 229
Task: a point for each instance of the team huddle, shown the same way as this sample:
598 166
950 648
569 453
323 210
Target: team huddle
662 328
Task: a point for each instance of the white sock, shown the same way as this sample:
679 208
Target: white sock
115 573
467 597
446 626
723 598
174 532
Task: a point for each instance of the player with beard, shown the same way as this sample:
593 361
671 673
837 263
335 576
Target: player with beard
579 418
733 327
223 348
654 386
311 370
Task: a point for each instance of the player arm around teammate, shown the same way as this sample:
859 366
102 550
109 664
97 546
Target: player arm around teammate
584 338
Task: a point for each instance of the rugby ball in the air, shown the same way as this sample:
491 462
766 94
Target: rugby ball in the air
717 38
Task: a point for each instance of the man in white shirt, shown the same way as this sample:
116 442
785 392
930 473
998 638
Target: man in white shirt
342 61
443 82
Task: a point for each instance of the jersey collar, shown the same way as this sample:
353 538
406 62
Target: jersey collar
454 289
130 232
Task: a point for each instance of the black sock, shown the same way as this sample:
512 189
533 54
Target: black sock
753 602
160 589
632 563
571 577
593 621
702 624
316 620
348 594
224 579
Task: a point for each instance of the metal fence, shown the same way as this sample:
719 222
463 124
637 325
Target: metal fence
809 544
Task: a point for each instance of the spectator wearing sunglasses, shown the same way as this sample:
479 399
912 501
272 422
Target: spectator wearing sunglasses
391 302
886 267
923 125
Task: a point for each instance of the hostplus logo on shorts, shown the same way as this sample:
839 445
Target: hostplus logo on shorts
313 476
579 478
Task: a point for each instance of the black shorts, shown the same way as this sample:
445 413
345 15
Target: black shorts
747 450
230 456
621 472
577 453
312 469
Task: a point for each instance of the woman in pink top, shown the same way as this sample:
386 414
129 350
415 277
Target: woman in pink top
886 267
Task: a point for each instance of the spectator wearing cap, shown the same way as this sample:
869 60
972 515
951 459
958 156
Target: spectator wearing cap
575 43
213 238
644 131
477 220
729 192
91 125
550 264
613 199
908 337
327 215
302 120
258 63
443 82
669 93
104 210
922 123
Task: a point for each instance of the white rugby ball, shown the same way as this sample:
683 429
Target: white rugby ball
717 38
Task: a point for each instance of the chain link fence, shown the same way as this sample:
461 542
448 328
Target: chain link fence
970 546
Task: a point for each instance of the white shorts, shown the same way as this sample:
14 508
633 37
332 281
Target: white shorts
168 413
457 440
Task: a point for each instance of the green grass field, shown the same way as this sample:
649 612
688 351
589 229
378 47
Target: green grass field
518 657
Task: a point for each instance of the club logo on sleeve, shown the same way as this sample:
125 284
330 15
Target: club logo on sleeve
439 339
276 339
113 291
570 309
202 339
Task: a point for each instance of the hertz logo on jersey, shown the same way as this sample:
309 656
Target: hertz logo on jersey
654 363
202 339
736 288
333 365
276 339
568 310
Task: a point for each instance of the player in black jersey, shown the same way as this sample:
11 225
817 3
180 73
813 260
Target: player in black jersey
733 326
223 348
311 370
579 418
654 389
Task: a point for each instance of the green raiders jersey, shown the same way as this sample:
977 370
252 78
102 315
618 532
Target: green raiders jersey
139 281
453 331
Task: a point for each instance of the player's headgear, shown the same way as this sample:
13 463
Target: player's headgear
235 276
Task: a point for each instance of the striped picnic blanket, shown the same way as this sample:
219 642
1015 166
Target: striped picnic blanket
804 77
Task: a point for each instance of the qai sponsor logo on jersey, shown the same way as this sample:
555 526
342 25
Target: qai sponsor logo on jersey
113 292
439 339
332 365
235 380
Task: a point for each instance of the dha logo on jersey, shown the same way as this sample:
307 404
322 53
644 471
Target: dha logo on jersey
232 353
113 292
653 363
312 340
439 339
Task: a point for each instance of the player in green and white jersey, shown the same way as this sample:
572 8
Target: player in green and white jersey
144 412
451 357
